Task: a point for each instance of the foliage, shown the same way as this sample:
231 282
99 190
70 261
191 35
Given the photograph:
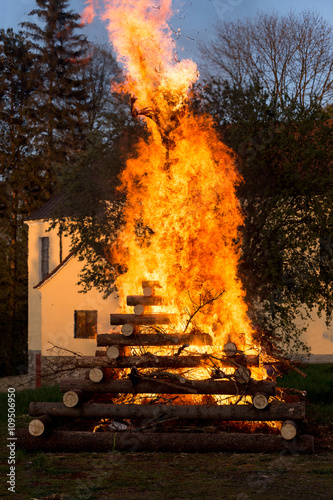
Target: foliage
284 153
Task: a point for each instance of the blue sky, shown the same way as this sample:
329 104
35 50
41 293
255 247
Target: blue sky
195 18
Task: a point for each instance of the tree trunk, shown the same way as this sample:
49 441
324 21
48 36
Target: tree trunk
65 441
107 339
158 386
275 411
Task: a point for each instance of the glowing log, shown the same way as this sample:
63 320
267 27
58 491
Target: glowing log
147 319
73 398
106 339
159 386
139 309
127 329
275 412
133 300
67 441
40 425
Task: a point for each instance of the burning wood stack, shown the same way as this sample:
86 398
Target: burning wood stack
159 424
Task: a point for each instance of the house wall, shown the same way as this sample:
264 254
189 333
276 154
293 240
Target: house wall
319 338
60 297
52 304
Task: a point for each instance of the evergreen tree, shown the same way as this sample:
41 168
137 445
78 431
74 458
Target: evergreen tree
59 106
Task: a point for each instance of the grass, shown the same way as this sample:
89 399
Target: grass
23 398
318 385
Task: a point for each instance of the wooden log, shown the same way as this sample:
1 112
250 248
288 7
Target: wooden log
113 352
151 300
147 319
288 429
73 398
230 349
145 339
139 309
127 329
148 291
242 375
40 425
67 441
95 375
158 386
145 361
276 411
260 401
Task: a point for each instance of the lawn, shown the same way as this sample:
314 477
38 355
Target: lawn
150 476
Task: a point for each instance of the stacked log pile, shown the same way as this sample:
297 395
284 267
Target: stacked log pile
130 420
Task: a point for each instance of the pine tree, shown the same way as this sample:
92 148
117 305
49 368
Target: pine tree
59 107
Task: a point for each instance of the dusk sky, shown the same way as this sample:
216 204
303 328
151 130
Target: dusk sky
195 18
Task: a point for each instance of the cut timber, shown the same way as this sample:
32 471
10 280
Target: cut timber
260 401
72 398
159 386
147 360
139 309
113 352
288 430
127 329
107 339
277 411
133 300
148 291
230 349
95 375
147 319
66 441
40 425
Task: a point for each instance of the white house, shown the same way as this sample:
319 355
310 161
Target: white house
58 313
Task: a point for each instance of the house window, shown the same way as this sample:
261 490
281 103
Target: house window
44 257
85 324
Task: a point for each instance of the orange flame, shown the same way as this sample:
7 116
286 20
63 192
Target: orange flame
182 216
89 12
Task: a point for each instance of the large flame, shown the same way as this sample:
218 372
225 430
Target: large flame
182 215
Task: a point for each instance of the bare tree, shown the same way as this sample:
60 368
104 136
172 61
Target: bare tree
291 54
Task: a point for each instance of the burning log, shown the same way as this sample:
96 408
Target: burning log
147 319
127 329
159 386
73 398
151 300
40 425
147 360
66 441
275 411
139 309
146 339
288 429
